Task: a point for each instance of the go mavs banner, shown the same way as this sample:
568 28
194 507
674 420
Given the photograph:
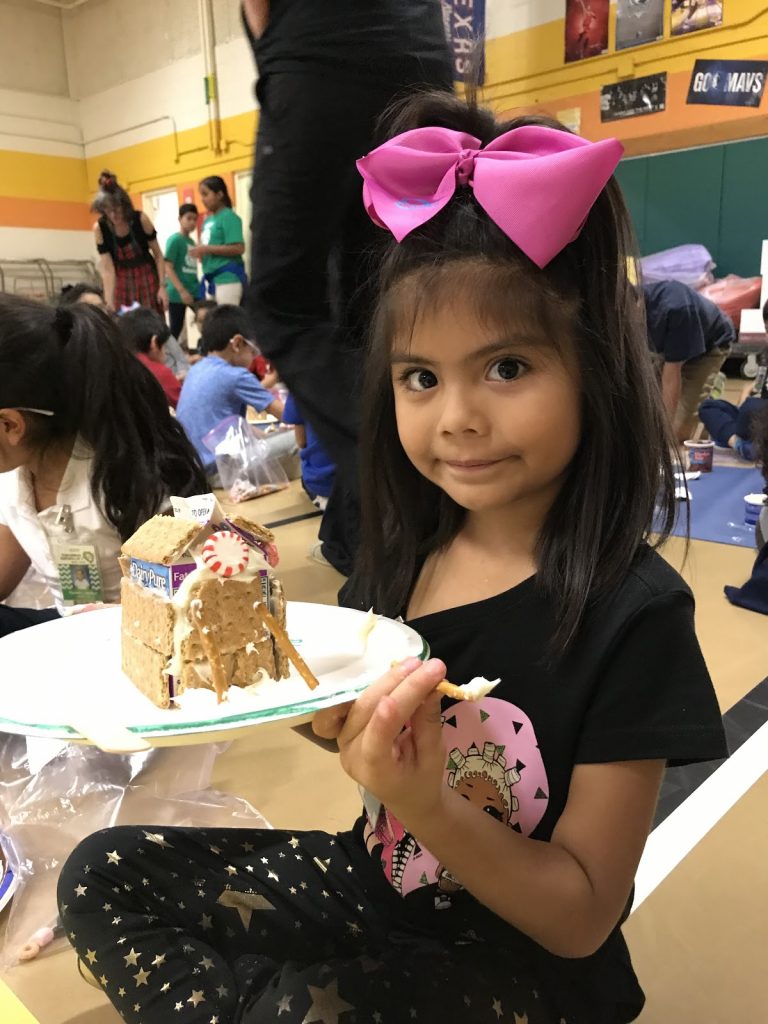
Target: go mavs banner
728 83
465 28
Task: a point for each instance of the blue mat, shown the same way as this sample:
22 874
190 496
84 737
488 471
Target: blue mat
717 506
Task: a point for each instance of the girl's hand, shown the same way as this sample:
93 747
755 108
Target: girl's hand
390 741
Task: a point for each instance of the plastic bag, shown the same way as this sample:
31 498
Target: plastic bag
691 264
247 459
733 294
52 798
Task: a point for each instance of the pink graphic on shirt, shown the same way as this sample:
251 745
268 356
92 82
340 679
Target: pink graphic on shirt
493 760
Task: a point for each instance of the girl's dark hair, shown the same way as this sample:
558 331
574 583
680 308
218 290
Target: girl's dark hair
111 194
216 184
140 326
583 305
187 208
72 362
72 293
220 327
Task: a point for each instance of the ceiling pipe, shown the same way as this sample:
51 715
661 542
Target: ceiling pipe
208 41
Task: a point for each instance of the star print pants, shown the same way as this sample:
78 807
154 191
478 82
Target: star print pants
253 927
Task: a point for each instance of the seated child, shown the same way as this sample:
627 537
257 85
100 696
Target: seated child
146 334
91 294
220 384
88 452
317 470
732 426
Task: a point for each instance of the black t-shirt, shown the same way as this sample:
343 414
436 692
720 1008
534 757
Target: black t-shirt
682 324
633 686
399 42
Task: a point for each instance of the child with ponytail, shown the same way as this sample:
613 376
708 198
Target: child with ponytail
88 452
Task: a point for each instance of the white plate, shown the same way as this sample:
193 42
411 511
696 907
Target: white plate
76 660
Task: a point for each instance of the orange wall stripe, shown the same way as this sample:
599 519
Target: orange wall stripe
44 213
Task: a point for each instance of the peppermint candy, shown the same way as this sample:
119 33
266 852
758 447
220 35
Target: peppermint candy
225 553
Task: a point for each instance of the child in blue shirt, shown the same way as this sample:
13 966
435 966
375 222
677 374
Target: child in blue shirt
220 385
317 469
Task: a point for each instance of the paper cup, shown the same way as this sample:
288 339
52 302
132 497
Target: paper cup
700 454
753 506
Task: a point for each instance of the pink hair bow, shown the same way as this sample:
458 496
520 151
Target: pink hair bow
537 184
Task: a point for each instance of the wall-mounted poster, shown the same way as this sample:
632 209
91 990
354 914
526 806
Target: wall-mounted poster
691 15
465 28
633 98
586 28
638 22
728 83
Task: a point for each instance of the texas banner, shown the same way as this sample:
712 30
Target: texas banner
465 28
728 83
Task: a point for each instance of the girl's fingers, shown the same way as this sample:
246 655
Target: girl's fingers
328 723
398 707
366 703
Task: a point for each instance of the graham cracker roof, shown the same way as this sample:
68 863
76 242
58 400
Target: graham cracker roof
162 539
259 532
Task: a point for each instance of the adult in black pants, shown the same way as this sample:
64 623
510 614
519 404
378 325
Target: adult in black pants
327 72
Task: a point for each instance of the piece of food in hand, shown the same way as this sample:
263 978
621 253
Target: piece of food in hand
170 595
475 689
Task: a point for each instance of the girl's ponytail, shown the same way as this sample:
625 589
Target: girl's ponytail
72 362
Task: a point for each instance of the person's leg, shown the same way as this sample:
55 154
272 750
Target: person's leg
746 415
171 919
416 979
176 312
719 417
698 375
14 619
243 926
229 294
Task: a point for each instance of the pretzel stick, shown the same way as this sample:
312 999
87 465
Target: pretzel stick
284 643
211 651
451 690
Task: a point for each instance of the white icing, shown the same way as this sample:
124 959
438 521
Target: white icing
367 627
478 687
181 601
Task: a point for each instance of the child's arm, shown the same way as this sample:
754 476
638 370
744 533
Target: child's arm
257 15
567 894
106 270
14 562
173 277
233 249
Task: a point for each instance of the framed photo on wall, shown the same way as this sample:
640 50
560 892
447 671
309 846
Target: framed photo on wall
586 28
633 98
692 15
638 22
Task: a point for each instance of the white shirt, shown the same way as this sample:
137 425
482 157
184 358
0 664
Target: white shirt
35 531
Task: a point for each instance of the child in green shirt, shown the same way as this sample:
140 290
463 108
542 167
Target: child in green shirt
222 244
181 268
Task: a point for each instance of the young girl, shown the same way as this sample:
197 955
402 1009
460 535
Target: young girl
221 244
131 261
88 452
513 448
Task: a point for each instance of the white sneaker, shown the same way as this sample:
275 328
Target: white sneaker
316 554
